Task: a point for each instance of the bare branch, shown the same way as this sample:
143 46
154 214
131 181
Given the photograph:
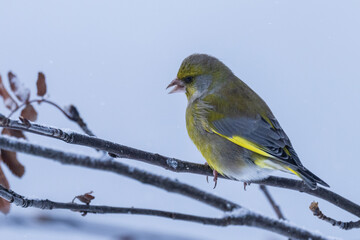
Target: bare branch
272 202
172 164
245 217
314 207
118 168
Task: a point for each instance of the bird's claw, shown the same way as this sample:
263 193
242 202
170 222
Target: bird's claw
215 174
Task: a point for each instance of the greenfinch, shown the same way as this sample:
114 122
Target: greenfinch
232 126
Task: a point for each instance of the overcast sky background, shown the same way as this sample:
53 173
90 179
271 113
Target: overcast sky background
113 60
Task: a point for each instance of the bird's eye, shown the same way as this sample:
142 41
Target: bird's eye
188 79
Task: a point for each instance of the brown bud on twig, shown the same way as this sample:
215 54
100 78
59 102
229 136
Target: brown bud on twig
314 207
84 198
25 121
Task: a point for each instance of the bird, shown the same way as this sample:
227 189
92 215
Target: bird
232 126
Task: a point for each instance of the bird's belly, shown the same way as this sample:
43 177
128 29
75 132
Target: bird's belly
225 157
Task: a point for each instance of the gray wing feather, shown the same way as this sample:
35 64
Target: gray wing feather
272 138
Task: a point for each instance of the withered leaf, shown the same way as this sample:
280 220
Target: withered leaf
4 205
21 92
14 133
3 181
10 159
85 198
41 85
29 113
8 100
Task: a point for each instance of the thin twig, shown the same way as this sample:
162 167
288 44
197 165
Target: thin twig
276 207
173 164
38 101
246 217
314 207
73 116
21 201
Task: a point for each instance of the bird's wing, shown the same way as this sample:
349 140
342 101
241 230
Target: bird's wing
262 135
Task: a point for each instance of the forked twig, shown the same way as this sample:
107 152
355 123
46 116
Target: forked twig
314 207
71 113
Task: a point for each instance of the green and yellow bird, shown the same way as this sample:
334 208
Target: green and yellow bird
232 126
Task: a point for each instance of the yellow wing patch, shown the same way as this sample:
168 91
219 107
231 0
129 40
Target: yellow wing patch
294 172
245 144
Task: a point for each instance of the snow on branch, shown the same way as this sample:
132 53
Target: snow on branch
109 165
168 163
239 217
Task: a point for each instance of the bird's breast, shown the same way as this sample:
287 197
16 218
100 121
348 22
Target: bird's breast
204 140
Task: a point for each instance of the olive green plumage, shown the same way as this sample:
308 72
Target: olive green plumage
232 126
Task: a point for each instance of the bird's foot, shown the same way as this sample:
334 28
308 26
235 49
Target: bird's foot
215 174
245 185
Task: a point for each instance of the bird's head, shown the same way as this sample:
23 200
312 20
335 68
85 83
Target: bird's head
199 73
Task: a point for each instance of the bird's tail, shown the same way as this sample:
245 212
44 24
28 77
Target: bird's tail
309 178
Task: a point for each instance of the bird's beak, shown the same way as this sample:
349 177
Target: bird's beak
179 86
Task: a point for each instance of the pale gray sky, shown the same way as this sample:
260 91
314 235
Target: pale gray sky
113 60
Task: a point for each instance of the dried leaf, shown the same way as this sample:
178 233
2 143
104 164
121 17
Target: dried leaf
85 198
8 100
10 159
41 85
29 113
14 133
4 205
21 92
3 181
